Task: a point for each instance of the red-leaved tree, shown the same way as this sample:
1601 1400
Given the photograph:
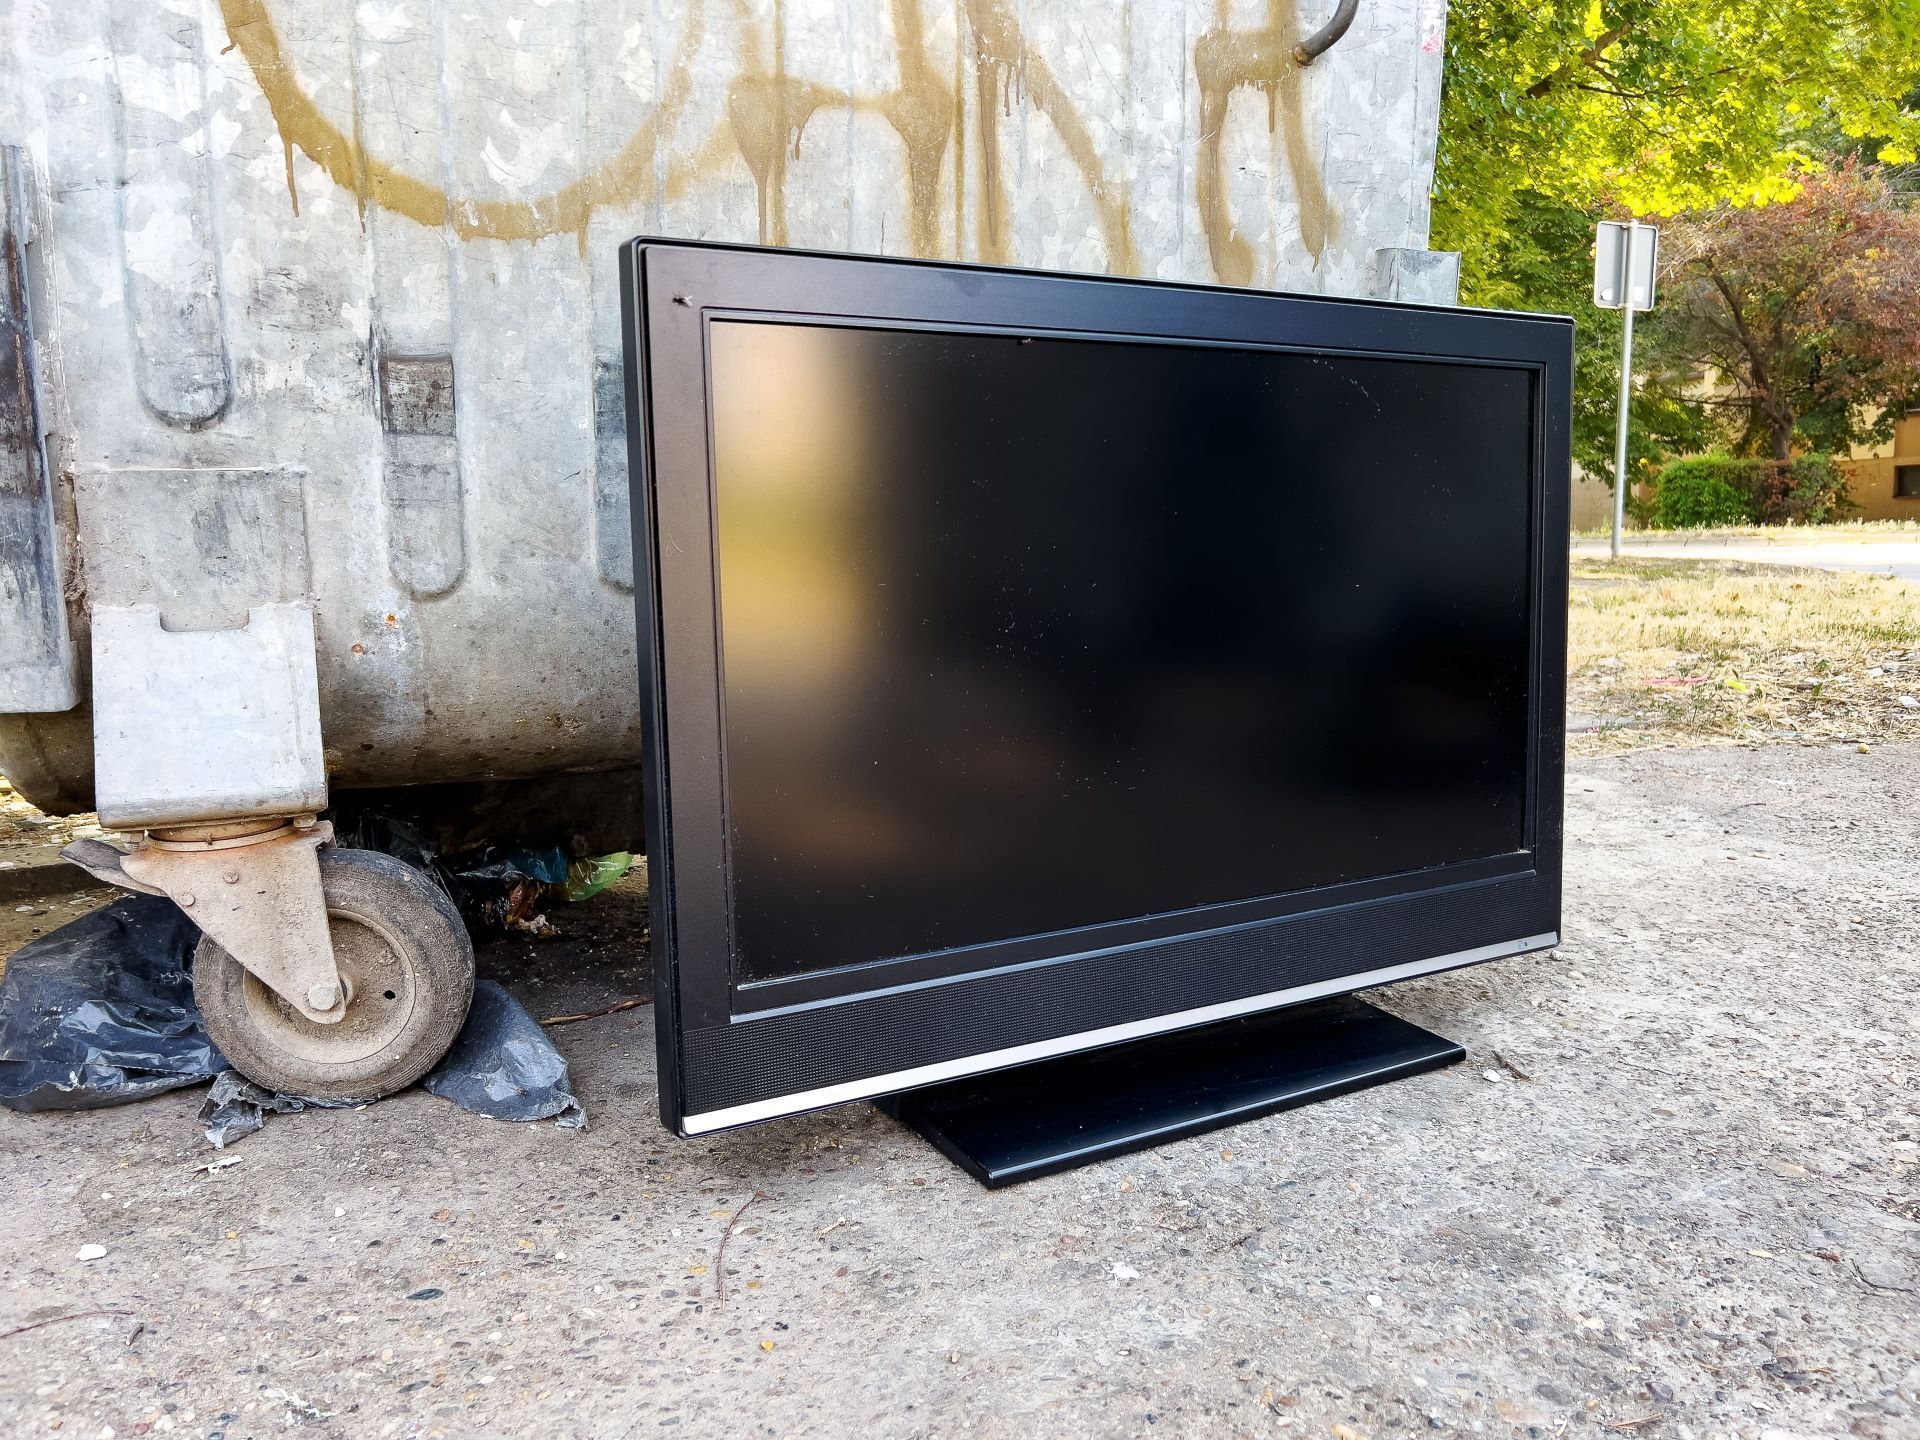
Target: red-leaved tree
1809 311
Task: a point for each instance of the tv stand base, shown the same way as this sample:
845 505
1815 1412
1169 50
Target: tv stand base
1054 1115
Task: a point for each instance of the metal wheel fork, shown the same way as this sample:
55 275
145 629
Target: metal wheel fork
253 886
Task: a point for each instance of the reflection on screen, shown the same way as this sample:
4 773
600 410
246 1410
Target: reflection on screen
1024 635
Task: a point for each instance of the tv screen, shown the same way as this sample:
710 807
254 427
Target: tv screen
1035 662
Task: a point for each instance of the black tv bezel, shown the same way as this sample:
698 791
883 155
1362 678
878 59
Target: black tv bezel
732 1053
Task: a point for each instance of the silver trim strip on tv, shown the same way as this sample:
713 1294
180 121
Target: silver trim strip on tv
1091 1039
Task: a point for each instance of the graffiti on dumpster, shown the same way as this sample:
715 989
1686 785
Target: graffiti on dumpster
768 108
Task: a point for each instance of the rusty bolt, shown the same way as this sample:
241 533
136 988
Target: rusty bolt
232 877
323 997
186 901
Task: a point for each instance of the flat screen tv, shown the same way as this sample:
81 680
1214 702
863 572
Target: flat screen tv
1035 662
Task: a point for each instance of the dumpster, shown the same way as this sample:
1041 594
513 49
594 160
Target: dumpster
312 432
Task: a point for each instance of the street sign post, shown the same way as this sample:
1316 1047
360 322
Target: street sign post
1624 261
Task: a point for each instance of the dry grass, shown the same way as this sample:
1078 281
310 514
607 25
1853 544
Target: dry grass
1839 532
1702 652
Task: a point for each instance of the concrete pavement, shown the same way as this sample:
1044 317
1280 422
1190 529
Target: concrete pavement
1888 553
1671 1195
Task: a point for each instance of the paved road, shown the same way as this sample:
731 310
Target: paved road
1884 557
1695 1216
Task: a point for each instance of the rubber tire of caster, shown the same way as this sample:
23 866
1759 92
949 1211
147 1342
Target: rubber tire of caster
405 954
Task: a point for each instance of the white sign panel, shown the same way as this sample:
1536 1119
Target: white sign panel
1624 256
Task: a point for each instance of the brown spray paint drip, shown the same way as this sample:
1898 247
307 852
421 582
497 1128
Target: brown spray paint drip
1001 55
346 162
919 113
768 115
768 110
1225 60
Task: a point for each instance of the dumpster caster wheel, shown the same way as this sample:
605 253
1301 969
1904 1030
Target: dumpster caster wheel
408 967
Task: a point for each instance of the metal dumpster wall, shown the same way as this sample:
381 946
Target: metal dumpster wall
328 302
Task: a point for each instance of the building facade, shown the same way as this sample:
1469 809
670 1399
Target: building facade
1885 479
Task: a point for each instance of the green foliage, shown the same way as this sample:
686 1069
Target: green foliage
1659 106
1721 489
1541 263
1558 113
1705 490
1807 312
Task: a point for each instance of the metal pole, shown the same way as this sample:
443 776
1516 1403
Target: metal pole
1626 395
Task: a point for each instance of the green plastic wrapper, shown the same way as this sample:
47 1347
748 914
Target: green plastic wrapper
587 878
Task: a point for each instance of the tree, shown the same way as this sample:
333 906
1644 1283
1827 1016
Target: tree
1658 106
1558 113
1807 311
1543 262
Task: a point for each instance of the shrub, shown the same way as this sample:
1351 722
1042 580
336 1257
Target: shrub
1727 490
1809 490
1705 490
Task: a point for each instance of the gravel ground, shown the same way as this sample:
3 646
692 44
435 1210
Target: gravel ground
1672 1193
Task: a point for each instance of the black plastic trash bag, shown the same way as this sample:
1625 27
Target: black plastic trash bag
495 889
504 1065
101 1011
236 1107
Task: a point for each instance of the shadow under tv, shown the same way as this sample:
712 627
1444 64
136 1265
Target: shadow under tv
1060 692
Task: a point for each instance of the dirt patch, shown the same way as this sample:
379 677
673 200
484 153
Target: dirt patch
1702 652
30 839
